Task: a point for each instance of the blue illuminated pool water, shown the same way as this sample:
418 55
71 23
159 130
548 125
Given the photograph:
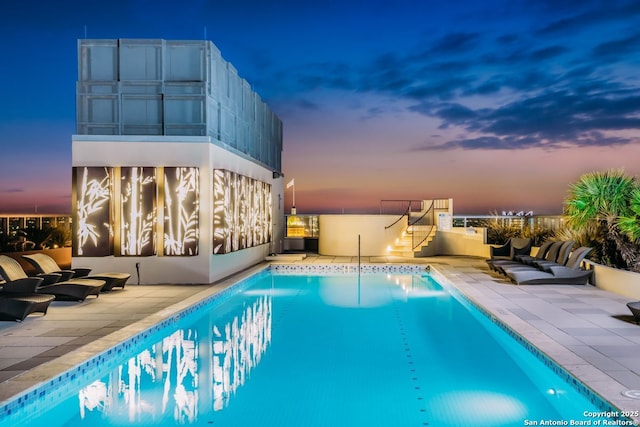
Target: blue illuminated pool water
323 350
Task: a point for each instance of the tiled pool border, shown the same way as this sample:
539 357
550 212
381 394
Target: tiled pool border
53 385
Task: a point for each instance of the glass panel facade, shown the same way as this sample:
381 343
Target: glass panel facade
158 87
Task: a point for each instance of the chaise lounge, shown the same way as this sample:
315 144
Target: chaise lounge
568 274
509 251
68 290
19 299
634 307
558 254
17 307
44 264
499 264
552 256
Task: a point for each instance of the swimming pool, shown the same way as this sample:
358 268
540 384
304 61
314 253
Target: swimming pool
328 349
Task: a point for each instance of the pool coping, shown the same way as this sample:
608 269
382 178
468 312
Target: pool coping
595 380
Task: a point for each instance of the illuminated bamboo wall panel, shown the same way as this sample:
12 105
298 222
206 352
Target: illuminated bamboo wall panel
242 212
234 222
181 210
93 222
243 217
138 211
221 211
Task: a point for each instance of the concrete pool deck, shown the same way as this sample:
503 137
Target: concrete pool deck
588 331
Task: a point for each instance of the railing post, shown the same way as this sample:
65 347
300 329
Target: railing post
358 254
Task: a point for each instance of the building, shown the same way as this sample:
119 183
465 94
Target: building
176 163
17 229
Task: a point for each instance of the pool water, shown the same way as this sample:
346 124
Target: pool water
323 350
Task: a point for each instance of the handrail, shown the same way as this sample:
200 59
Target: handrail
418 236
406 213
427 211
425 237
390 207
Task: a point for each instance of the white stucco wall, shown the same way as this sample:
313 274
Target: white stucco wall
458 241
621 282
180 151
339 234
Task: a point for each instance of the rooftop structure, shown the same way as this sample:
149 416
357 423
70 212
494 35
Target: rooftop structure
173 88
176 163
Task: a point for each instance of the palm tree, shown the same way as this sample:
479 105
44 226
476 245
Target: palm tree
631 224
603 198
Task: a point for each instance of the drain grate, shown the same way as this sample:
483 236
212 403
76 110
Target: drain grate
634 394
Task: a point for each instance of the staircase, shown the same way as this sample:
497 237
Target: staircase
403 245
420 220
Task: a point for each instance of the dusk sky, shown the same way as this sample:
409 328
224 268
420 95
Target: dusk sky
498 104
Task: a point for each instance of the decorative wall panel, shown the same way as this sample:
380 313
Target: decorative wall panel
138 211
93 222
221 211
181 210
241 212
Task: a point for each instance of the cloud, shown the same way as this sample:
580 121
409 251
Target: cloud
551 120
13 190
306 104
453 43
619 48
514 142
549 87
600 13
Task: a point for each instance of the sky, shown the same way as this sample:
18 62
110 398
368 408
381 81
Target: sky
497 104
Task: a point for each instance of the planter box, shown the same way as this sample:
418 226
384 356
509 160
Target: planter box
621 282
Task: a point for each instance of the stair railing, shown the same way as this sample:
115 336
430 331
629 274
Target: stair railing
421 227
403 208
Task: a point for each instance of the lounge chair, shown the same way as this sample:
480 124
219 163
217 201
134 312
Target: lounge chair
68 290
529 263
18 307
19 299
561 259
44 264
568 274
515 246
635 310
521 259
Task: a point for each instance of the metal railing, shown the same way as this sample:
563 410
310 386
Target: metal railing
421 227
552 222
402 208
